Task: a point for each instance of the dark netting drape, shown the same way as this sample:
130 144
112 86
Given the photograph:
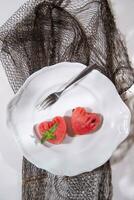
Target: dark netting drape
42 33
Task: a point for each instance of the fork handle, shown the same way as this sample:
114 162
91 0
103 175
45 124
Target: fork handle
83 73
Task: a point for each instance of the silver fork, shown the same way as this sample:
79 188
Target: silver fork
52 98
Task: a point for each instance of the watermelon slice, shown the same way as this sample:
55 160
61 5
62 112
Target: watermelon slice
84 122
52 131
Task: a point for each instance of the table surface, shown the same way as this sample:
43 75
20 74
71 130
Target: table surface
10 166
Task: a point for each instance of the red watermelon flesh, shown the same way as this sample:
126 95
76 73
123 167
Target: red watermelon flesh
84 122
52 131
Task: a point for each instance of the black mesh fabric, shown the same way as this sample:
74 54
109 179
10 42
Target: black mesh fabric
42 33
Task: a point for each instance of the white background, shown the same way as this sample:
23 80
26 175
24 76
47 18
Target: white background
10 155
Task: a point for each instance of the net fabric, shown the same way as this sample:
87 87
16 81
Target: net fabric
39 184
42 33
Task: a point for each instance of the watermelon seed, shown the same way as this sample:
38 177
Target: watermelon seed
93 120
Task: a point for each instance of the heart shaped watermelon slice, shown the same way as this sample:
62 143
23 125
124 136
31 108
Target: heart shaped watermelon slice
52 131
84 122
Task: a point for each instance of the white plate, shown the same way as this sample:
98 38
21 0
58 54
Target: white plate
78 154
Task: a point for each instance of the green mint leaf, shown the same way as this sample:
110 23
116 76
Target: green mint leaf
53 128
43 139
47 135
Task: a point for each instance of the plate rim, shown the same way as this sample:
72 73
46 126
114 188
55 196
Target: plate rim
10 106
